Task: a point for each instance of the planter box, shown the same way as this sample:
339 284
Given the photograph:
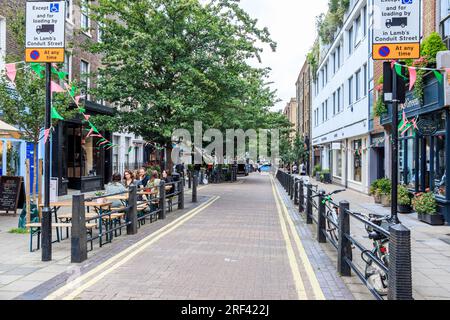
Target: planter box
377 199
404 209
385 201
434 220
327 178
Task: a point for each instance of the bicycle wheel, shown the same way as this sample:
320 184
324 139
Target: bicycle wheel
376 277
331 229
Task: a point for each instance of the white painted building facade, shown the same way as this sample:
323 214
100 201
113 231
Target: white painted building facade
128 154
341 102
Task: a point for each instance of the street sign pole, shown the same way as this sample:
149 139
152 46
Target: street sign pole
46 211
394 149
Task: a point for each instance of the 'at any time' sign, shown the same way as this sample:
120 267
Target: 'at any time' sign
45 31
396 29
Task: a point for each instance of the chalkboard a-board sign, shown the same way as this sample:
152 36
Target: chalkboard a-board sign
10 188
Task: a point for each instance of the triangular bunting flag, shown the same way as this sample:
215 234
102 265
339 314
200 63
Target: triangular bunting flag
438 76
38 69
11 71
398 70
56 87
412 77
56 115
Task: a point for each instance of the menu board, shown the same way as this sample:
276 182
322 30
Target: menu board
9 193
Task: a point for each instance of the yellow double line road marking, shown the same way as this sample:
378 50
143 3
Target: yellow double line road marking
79 285
286 219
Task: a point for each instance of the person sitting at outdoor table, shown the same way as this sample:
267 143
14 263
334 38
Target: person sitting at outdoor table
167 177
153 183
114 187
143 177
128 179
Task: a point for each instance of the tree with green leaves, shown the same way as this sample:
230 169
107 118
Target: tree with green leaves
23 103
168 63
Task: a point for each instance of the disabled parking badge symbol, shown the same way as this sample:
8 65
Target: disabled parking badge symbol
54 7
34 54
384 51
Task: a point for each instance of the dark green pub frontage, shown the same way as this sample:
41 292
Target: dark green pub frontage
424 150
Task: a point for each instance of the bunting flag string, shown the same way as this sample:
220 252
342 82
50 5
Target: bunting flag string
71 89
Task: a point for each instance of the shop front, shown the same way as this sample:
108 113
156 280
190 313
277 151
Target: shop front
423 149
81 164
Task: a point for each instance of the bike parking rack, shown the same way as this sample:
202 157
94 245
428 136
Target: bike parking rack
399 268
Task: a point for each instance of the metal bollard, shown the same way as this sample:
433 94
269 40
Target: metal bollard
309 207
189 179
301 197
321 222
162 200
296 182
400 267
292 187
181 197
79 232
344 244
194 188
132 212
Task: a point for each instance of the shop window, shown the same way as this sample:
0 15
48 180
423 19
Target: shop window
440 170
13 158
1 157
338 171
357 160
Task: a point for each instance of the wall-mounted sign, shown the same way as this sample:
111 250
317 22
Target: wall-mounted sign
427 127
396 29
45 31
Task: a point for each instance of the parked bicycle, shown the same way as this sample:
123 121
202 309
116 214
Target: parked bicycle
376 276
332 215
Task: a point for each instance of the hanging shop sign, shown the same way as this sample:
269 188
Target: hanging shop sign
45 31
396 30
427 127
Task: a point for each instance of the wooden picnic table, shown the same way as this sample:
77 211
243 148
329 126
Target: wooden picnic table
98 205
59 204
119 197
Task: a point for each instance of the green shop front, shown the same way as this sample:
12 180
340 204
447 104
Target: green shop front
424 148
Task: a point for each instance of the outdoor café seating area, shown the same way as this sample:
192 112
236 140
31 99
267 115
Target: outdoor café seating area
103 218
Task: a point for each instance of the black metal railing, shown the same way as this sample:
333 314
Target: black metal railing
393 267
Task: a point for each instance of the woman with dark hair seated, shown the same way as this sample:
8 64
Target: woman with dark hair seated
114 187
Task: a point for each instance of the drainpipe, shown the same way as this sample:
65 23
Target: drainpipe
346 163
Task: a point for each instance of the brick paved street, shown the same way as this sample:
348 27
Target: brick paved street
240 246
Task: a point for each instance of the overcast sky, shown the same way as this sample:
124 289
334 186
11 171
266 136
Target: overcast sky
292 25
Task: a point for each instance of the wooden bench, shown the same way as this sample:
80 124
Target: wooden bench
37 226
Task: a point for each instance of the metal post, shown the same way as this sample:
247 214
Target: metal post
162 200
189 179
394 149
194 189
132 212
321 223
296 191
301 197
309 209
46 223
400 268
344 244
181 198
79 232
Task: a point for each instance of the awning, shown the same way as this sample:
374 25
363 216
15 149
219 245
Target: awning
8 131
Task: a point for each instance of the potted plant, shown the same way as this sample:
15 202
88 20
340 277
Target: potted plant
384 185
325 176
375 191
404 200
425 205
316 171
